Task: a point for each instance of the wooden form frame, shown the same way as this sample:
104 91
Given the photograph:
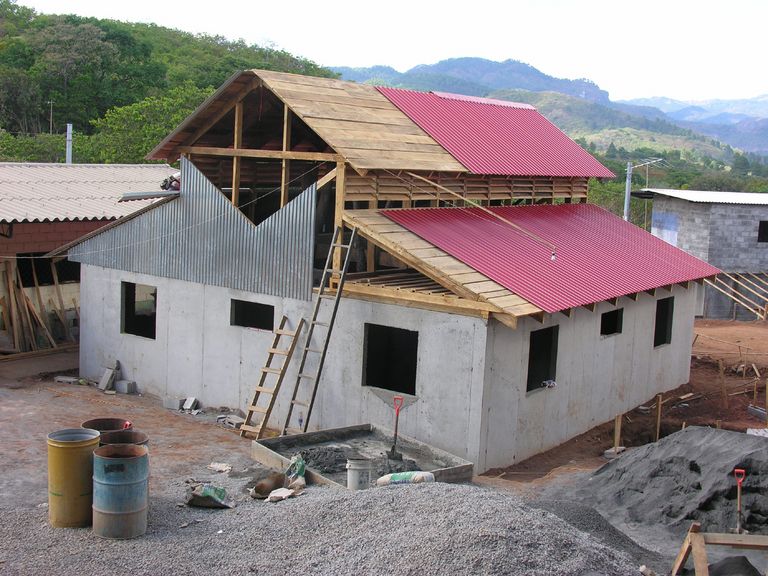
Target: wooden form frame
695 544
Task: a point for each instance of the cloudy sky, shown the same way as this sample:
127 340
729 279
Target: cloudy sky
683 49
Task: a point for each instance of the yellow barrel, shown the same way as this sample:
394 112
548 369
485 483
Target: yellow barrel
70 476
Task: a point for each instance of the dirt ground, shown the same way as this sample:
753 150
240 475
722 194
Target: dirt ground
737 344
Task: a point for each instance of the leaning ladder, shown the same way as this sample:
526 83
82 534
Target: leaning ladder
279 371
306 374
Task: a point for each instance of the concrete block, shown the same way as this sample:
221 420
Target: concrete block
172 403
107 379
66 379
190 403
125 387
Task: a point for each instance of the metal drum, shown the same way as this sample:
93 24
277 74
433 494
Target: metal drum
107 424
124 437
70 466
120 490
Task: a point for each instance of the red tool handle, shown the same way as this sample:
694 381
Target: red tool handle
739 474
398 402
127 425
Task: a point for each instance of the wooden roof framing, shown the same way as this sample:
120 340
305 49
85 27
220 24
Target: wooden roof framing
475 290
355 120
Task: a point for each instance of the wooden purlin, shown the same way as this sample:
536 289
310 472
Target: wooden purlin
444 269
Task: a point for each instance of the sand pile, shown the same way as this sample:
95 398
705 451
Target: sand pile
684 477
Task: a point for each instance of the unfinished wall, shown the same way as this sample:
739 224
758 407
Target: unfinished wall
197 353
597 376
683 224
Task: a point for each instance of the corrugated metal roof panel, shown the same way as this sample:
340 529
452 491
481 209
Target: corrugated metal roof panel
31 192
712 197
598 255
494 137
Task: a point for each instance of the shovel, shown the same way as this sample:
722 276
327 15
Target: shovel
394 454
739 474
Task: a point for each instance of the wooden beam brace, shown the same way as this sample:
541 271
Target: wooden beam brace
338 214
237 144
744 285
591 307
326 179
266 154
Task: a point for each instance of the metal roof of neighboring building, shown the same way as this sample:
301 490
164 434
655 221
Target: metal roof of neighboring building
598 255
36 192
710 196
496 137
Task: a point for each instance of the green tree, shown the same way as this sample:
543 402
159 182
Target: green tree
128 133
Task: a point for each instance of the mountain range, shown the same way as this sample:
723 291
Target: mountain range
584 110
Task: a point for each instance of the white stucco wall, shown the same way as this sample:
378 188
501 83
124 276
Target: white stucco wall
598 376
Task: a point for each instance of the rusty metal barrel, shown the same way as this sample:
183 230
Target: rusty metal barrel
70 466
124 437
104 425
120 490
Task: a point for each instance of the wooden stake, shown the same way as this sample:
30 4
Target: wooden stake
617 433
721 367
62 312
659 404
36 316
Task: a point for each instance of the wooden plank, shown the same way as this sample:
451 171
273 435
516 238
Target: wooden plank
746 541
507 301
326 179
38 295
36 316
745 286
338 215
410 299
699 552
26 319
267 154
237 144
15 320
43 352
5 313
285 163
62 312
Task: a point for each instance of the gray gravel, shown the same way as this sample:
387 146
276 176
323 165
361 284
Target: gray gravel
421 529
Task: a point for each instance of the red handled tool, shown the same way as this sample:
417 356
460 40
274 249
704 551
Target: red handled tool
394 454
739 474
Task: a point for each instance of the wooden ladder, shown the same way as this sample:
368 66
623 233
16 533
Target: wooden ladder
311 349
261 388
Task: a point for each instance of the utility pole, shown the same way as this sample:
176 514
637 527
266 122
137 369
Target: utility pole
50 118
628 185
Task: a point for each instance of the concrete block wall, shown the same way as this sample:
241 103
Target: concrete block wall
693 224
733 243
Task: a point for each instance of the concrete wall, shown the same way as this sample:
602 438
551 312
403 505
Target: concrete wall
197 353
733 244
470 398
598 376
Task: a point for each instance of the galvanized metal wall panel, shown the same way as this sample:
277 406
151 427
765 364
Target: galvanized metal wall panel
200 237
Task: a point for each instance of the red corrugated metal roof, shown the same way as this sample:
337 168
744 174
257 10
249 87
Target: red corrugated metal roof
598 255
496 137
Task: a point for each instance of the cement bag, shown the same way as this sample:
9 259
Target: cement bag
405 478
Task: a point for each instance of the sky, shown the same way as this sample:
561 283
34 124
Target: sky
681 49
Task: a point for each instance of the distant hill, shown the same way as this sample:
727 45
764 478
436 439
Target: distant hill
651 122
475 77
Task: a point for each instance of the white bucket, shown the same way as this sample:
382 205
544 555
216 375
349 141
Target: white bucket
359 473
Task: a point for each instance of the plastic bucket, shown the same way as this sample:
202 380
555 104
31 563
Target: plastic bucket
70 466
107 424
124 437
358 473
120 490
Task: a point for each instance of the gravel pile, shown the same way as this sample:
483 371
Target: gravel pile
423 529
684 477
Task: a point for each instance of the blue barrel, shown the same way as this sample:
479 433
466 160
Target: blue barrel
120 490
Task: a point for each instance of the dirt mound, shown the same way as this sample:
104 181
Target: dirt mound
684 477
